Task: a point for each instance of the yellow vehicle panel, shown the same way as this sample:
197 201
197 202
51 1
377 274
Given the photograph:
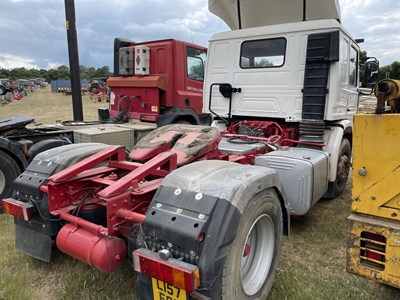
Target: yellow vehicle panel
373 248
376 165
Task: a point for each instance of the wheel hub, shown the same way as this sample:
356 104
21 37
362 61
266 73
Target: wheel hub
343 168
258 252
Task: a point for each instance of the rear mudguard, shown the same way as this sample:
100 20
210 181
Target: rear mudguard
12 148
203 200
34 238
46 145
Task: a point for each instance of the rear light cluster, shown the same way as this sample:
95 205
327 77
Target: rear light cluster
172 271
373 250
21 210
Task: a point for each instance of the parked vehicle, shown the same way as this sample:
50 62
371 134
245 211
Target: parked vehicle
374 224
61 85
4 86
201 209
19 145
158 81
39 82
97 85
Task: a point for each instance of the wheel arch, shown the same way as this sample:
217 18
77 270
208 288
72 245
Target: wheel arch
239 182
15 152
173 114
34 238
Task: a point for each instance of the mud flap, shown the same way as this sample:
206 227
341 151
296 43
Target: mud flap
143 283
33 243
35 238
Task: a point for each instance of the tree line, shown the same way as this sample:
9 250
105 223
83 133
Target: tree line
61 72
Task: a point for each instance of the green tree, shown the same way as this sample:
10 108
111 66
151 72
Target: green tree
102 72
395 70
34 73
4 73
19 73
83 72
391 71
363 60
87 72
63 72
263 63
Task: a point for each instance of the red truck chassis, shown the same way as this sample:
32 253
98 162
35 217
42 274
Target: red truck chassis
104 199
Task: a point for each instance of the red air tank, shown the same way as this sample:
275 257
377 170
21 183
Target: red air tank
101 252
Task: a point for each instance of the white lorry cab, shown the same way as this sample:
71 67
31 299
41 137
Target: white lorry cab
291 62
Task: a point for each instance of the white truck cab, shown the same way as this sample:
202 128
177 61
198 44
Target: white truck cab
291 62
289 71
294 70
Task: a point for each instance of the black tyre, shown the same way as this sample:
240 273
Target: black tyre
251 264
182 122
9 170
337 187
94 89
3 90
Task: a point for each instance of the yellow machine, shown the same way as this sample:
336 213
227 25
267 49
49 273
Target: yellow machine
373 242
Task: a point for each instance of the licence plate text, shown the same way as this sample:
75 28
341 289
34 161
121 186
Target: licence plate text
165 291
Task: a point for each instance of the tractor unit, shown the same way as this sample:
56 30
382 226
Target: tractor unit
4 86
97 85
157 81
201 209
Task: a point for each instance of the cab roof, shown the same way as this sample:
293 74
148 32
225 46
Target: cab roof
256 13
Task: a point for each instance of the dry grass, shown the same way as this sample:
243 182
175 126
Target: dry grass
47 107
312 263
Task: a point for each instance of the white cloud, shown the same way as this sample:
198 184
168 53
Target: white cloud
378 23
52 65
9 61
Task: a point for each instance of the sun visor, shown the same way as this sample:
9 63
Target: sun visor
268 12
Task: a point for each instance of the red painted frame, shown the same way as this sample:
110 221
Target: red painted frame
126 188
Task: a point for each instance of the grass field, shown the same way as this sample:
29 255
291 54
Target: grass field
312 264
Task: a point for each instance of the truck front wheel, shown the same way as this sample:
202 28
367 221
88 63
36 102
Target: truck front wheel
251 264
9 170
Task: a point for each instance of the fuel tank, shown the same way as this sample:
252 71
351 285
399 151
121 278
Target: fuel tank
101 252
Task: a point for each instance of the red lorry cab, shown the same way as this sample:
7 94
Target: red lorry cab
159 81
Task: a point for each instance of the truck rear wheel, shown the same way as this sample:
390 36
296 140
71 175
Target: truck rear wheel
3 90
337 187
9 170
94 89
251 264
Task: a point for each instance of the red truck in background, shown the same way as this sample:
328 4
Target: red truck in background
158 81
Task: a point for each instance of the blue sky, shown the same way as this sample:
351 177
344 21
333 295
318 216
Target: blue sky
33 35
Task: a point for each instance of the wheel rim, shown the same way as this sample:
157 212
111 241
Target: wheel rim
2 181
258 251
343 169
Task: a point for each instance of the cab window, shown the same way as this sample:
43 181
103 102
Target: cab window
267 53
353 63
195 61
